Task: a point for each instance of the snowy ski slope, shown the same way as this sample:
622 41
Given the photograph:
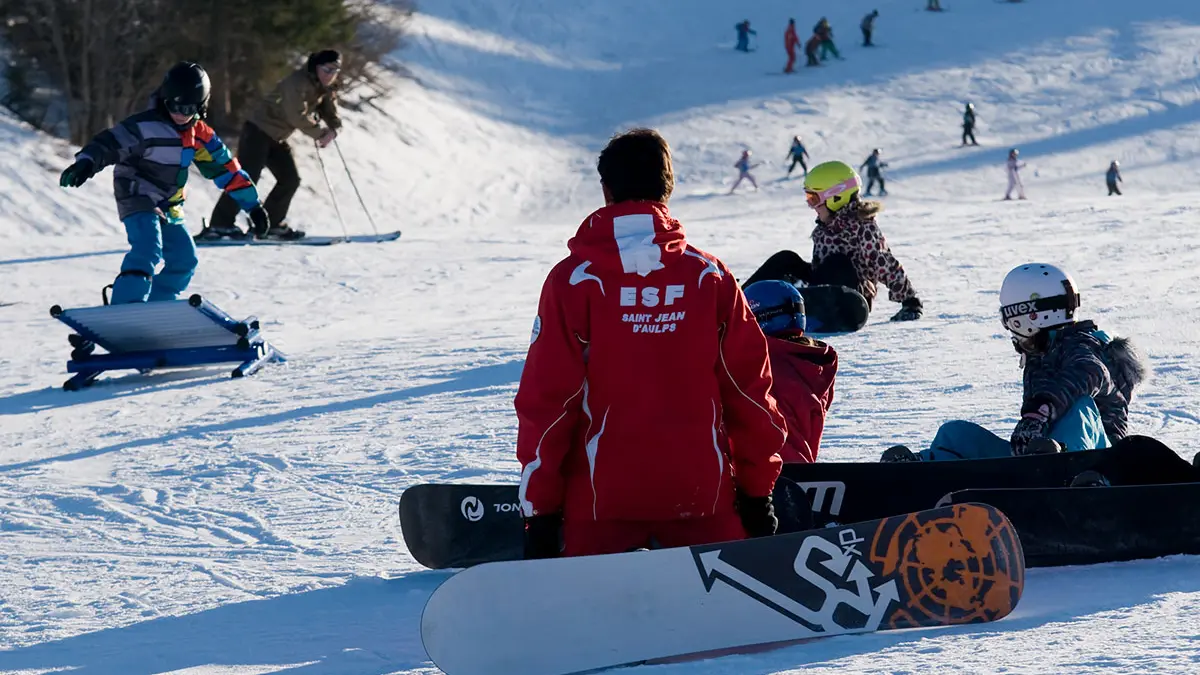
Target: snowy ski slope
185 523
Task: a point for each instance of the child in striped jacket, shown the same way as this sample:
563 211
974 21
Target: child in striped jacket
151 152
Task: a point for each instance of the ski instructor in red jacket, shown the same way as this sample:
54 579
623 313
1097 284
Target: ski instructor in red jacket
645 418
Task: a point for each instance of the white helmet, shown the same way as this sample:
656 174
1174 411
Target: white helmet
1036 296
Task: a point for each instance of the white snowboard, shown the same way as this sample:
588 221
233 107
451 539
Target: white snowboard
553 617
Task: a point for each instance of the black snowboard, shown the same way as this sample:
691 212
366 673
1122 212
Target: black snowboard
831 302
459 525
1086 525
873 490
833 309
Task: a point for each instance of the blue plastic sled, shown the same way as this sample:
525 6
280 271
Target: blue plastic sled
147 336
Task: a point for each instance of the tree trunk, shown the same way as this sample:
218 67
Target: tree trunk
58 39
88 106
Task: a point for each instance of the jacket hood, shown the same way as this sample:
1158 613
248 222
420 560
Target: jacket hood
1125 365
632 237
812 360
846 217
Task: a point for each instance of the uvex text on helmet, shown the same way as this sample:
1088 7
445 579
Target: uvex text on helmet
1035 296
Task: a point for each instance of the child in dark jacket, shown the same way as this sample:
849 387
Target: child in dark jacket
1078 381
1112 177
803 369
151 152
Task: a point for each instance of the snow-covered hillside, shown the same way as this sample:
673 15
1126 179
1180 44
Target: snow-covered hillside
182 522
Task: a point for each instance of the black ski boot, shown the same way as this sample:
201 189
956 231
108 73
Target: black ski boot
283 232
210 233
1090 478
899 453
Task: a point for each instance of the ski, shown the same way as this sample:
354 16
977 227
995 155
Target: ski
961 564
305 241
460 525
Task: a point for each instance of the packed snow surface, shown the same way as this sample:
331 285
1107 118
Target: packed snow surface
182 522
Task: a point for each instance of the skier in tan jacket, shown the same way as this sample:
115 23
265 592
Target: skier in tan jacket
301 101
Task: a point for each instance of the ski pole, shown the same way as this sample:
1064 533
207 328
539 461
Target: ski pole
332 196
355 186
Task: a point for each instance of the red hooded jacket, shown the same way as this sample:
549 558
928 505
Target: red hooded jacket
803 370
645 394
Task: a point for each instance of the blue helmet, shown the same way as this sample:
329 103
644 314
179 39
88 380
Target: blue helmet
777 305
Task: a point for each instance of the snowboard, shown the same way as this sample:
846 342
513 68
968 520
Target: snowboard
828 307
954 565
1086 525
460 525
833 309
305 241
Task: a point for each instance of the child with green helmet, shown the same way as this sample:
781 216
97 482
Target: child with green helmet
848 247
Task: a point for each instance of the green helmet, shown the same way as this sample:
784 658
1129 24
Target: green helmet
834 183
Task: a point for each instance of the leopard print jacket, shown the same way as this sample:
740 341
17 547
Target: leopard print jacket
853 232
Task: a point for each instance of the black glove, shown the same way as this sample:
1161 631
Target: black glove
758 515
261 222
910 310
542 536
1034 423
78 173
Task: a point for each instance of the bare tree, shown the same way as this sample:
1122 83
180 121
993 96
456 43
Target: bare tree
102 59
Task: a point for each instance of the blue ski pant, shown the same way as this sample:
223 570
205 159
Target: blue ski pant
1080 428
155 238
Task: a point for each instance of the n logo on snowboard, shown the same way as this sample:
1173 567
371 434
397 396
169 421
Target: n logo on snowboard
472 509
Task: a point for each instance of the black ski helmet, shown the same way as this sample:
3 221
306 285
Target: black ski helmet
185 90
323 57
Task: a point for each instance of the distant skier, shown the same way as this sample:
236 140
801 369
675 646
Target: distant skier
803 369
848 247
743 166
968 124
743 36
810 50
790 42
1078 381
868 27
1013 167
1113 177
151 152
797 154
934 5
644 366
874 166
825 32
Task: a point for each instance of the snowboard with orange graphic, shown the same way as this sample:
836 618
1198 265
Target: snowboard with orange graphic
953 565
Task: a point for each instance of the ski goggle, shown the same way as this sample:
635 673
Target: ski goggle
330 68
816 197
177 108
787 308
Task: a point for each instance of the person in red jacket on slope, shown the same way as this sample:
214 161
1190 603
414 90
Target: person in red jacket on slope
790 42
803 369
644 408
